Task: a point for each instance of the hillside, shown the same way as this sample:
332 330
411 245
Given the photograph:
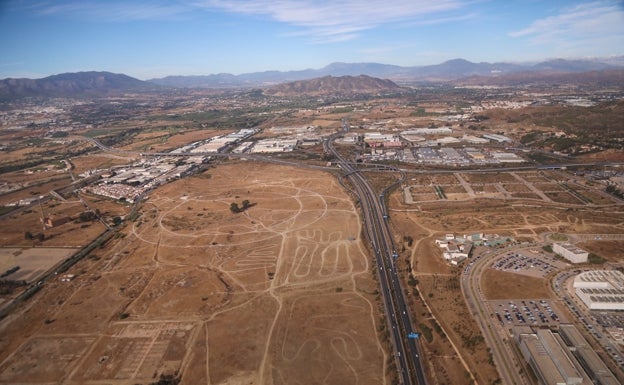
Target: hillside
80 84
330 85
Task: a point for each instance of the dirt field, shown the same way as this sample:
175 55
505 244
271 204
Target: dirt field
280 293
32 261
99 161
73 233
503 285
36 189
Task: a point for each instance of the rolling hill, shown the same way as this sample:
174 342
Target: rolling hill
335 86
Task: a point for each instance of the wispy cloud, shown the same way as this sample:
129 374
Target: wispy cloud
580 23
322 21
110 10
340 20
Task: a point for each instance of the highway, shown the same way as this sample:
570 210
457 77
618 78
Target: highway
407 350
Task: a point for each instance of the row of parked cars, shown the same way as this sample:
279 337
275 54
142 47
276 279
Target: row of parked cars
517 261
533 312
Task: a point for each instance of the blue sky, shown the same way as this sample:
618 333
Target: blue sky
157 38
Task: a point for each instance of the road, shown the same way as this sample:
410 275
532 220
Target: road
502 356
407 350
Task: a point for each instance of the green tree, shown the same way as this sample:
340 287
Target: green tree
234 207
86 216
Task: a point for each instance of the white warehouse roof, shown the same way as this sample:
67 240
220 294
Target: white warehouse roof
601 289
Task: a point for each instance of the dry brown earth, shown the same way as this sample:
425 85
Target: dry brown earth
278 294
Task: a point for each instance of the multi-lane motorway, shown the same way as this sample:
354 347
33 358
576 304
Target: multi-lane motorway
406 350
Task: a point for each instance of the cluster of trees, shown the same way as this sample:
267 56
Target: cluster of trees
7 286
611 189
30 236
167 379
87 216
235 208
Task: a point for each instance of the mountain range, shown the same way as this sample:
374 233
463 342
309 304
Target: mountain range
447 71
459 71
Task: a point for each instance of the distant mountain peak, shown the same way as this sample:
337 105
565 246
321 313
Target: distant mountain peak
73 84
458 61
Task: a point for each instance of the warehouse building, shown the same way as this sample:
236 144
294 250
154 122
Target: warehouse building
586 356
497 138
601 289
546 354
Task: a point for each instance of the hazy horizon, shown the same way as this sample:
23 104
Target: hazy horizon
166 38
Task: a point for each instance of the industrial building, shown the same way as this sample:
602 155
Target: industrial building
571 252
561 358
586 356
507 157
497 138
428 131
601 289
545 354
275 145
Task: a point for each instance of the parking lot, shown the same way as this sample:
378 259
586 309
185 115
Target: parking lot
528 262
534 312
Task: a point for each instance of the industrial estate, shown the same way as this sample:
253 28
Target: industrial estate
419 234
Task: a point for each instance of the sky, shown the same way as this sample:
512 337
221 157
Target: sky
156 38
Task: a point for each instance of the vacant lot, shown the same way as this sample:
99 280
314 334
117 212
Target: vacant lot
14 228
279 293
32 261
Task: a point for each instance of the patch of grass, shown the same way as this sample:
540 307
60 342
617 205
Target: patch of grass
6 209
426 332
558 237
595 259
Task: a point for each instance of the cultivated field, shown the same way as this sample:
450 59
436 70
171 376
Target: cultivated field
280 293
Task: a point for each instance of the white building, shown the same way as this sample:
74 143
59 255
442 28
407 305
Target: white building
507 157
428 131
455 249
601 289
473 139
571 252
497 138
